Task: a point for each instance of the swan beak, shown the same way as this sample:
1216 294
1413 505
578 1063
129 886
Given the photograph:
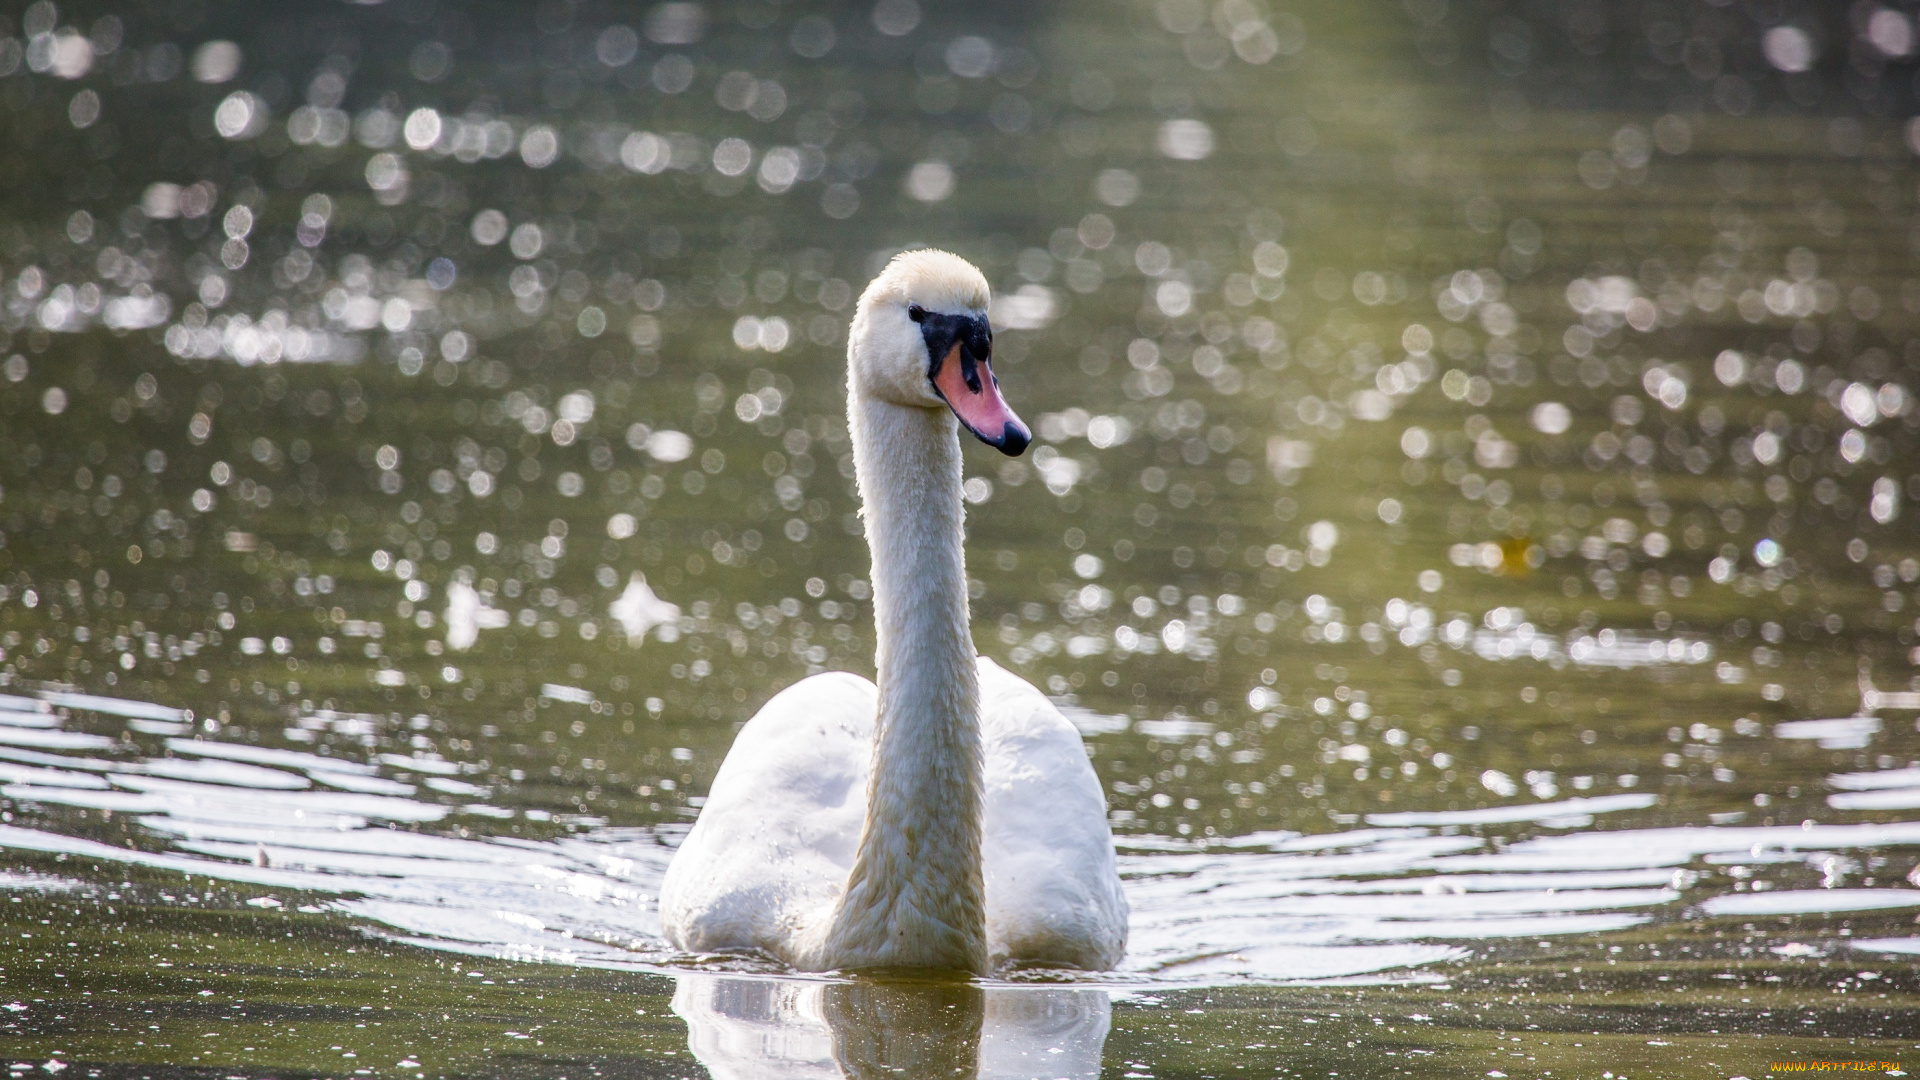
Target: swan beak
967 385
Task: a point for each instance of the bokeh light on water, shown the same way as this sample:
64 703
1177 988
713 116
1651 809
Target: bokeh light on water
1469 521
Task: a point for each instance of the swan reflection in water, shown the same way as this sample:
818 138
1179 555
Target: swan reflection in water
760 1029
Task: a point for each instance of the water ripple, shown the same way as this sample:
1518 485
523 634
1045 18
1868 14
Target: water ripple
1392 900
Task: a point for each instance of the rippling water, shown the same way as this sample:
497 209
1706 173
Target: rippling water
1469 522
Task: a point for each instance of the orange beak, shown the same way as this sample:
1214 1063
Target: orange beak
971 391
960 367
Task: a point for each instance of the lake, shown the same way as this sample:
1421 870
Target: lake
1469 522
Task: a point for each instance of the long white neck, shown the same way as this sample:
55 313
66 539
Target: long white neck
916 895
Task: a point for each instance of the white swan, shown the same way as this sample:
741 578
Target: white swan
947 818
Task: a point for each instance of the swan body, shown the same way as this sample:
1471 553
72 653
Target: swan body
945 816
770 853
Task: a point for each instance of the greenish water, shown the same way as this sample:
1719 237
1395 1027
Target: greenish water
1469 522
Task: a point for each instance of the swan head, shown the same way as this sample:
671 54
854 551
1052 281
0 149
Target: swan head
921 338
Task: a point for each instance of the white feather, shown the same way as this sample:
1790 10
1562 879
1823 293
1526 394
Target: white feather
946 818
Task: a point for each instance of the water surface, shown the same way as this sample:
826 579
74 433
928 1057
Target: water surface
1469 522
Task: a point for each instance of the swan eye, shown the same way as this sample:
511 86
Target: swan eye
916 313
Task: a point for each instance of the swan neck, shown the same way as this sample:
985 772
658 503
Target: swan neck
915 896
908 465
